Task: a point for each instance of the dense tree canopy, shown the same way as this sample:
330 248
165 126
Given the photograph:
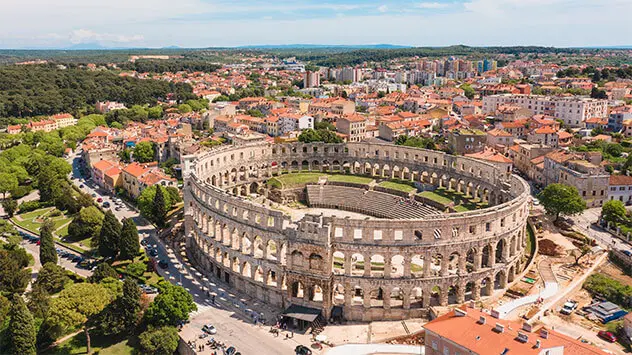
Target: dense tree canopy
613 211
21 328
560 199
172 305
44 90
144 152
129 245
159 341
48 254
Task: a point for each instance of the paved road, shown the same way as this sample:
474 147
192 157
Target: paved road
584 222
234 326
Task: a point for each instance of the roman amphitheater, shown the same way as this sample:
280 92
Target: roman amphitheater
329 226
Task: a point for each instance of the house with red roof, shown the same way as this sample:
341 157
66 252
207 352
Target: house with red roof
543 135
466 330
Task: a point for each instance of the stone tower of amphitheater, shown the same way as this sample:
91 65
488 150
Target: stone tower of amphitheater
393 258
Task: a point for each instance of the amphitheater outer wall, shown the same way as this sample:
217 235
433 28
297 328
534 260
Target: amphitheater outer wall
373 269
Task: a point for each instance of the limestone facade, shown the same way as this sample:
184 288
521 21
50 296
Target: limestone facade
374 269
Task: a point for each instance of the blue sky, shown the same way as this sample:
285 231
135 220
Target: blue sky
207 23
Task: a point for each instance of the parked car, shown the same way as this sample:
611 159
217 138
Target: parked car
144 242
303 350
117 208
568 307
106 204
627 252
163 264
94 195
230 351
81 186
607 336
210 329
153 252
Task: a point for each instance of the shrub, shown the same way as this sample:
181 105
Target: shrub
20 192
609 288
136 269
29 206
55 213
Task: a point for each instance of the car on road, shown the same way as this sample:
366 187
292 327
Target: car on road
627 252
568 307
99 200
106 204
149 289
230 351
153 252
144 242
209 328
81 186
94 195
302 350
607 336
117 208
163 264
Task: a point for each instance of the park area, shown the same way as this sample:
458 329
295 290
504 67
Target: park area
288 181
32 221
445 197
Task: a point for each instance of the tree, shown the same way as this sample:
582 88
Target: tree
38 302
184 108
129 244
123 314
146 202
10 206
47 252
159 341
598 94
51 277
87 224
21 328
8 183
144 152
560 199
468 91
102 271
160 210
613 211
76 306
172 306
109 238
46 183
583 250
155 112
13 276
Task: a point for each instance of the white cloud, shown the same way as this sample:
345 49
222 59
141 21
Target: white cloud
382 8
431 5
87 36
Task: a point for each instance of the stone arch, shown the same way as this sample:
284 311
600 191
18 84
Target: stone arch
246 244
246 269
435 296
376 298
501 245
396 267
500 280
357 264
298 291
271 250
453 263
259 274
486 260
416 298
436 264
297 259
453 291
470 291
258 247
357 296
315 262
316 294
396 299
377 265
338 295
338 261
417 265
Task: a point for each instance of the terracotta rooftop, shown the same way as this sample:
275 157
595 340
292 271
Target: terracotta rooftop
620 180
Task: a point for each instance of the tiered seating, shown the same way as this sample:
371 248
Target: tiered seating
372 203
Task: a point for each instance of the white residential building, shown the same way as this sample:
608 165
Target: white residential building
573 111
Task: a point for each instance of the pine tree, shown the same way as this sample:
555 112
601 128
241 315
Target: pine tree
109 238
21 328
123 314
160 207
129 244
47 244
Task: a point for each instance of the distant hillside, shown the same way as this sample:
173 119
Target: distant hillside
323 46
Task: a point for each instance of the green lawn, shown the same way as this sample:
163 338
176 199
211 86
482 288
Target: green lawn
350 178
299 179
431 195
397 186
100 345
33 220
445 197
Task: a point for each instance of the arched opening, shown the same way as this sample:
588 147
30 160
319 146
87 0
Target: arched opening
338 263
297 290
452 294
435 296
437 261
416 298
486 287
357 298
317 294
500 249
271 250
297 259
469 260
259 277
417 266
246 270
338 295
357 265
397 298
315 262
377 298
258 247
377 266
499 280
246 244
487 255
469 291
453 263
397 266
